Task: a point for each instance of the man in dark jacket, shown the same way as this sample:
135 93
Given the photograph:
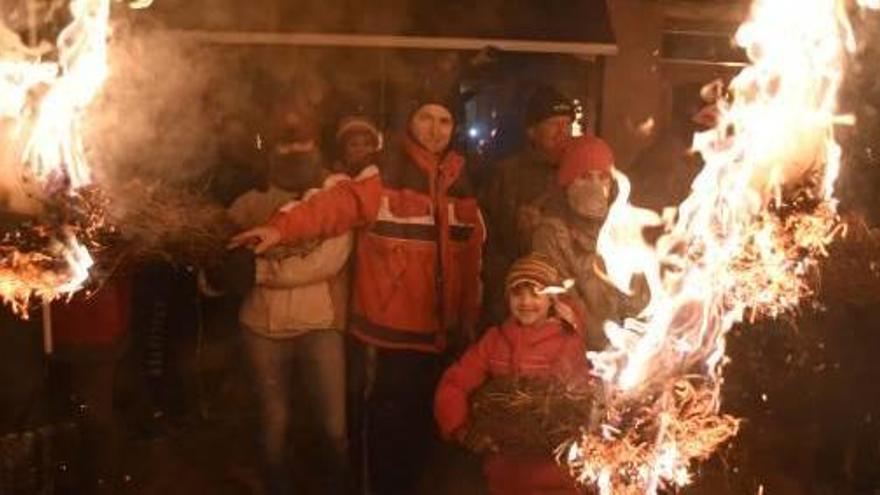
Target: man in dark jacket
510 202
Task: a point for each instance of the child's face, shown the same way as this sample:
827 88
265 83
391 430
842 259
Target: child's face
358 147
527 305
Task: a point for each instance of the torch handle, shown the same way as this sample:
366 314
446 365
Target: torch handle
48 345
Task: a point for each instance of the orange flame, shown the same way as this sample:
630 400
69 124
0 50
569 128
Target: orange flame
46 100
55 141
759 216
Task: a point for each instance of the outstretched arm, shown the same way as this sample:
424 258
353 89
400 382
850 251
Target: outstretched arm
325 261
329 213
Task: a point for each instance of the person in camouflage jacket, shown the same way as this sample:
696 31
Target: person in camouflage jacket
568 229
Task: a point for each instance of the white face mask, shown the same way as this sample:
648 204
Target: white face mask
588 197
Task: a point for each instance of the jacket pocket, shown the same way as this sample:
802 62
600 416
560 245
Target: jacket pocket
396 281
378 269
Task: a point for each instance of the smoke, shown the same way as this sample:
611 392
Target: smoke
159 112
174 109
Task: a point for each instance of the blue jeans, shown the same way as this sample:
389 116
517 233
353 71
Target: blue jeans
316 362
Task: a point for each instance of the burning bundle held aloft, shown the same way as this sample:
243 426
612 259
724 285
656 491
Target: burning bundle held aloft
744 244
45 91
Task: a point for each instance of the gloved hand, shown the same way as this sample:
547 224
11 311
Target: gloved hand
236 273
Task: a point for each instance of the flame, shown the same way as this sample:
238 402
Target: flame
25 275
759 216
55 145
45 101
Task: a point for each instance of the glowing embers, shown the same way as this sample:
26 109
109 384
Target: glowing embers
639 454
42 104
742 245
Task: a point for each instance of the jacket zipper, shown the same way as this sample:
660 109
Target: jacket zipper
439 285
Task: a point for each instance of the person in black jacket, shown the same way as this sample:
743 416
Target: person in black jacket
509 202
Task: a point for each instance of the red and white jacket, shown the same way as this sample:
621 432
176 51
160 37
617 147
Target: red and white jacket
419 246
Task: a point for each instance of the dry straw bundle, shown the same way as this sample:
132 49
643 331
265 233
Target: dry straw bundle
684 418
177 225
526 415
128 224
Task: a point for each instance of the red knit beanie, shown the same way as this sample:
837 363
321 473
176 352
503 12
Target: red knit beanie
584 154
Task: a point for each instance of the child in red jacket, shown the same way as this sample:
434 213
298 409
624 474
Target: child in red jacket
532 343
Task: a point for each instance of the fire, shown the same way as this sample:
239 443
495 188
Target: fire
54 148
759 216
43 103
24 275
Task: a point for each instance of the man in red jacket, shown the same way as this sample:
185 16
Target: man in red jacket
416 279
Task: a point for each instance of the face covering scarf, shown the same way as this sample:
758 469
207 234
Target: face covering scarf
295 172
588 198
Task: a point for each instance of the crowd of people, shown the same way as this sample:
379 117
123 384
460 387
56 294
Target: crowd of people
442 277
377 289
389 287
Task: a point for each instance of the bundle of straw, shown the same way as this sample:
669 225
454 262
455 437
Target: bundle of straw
683 419
174 224
526 415
118 226
35 252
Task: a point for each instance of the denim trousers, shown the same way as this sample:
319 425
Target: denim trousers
301 381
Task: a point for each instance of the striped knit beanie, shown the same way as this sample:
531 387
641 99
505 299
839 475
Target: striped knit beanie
535 269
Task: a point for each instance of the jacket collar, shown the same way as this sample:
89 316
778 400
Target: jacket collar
450 163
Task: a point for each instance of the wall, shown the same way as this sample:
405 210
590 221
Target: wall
631 92
637 85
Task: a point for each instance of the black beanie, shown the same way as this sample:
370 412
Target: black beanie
547 102
438 91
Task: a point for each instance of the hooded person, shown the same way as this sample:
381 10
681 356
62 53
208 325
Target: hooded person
416 279
521 183
293 314
569 228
